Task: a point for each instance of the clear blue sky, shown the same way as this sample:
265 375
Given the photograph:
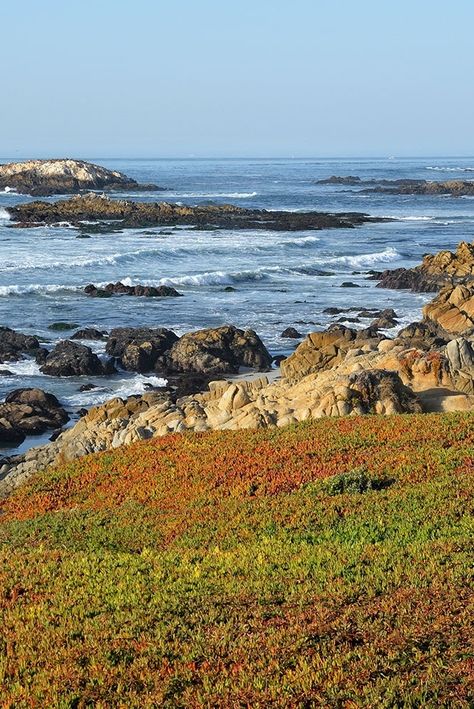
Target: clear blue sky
151 78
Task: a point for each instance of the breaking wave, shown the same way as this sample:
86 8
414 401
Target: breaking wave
4 215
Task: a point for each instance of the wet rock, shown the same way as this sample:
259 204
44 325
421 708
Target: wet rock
62 326
138 349
139 290
14 345
113 214
29 412
291 333
349 284
89 333
69 359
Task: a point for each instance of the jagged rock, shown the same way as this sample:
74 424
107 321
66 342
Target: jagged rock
423 335
125 213
435 272
453 309
46 177
13 345
455 188
69 359
221 350
29 412
324 350
139 349
122 289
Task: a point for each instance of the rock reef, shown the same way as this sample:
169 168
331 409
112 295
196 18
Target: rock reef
455 188
126 213
48 177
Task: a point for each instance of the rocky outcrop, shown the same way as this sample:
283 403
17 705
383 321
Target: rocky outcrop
221 350
453 309
47 177
14 345
455 188
123 213
71 359
140 349
324 350
435 271
139 290
29 412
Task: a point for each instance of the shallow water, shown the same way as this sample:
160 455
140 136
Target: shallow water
279 277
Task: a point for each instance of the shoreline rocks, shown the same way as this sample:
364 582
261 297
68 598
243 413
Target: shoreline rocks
41 178
436 271
27 412
129 214
71 359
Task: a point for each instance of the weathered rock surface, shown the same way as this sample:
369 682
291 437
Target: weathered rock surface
139 349
69 359
435 271
221 350
139 290
14 345
453 309
123 213
29 412
47 177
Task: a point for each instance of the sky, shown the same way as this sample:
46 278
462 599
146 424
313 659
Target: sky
236 78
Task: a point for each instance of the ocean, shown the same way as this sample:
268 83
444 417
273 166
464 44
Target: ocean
280 279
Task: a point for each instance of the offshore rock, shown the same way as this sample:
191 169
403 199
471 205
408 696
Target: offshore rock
71 359
47 177
120 288
126 213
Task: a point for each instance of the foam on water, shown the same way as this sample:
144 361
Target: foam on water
4 215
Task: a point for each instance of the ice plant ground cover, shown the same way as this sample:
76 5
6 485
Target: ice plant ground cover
328 564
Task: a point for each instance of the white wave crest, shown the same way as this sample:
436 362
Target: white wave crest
35 288
407 218
389 254
4 215
122 388
449 169
212 195
23 368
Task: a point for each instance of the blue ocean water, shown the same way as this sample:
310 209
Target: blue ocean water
276 275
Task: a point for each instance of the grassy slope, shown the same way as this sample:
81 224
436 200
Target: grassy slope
216 570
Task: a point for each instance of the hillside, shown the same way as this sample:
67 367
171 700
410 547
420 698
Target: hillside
232 569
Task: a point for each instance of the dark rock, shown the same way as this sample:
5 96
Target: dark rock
221 350
61 326
412 279
138 349
121 289
13 345
113 214
349 284
291 333
6 373
424 335
29 412
69 359
89 333
87 387
229 289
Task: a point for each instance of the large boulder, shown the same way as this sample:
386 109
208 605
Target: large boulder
221 350
29 412
14 345
70 359
452 309
46 177
139 349
120 288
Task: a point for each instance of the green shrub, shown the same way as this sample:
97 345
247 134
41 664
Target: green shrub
355 481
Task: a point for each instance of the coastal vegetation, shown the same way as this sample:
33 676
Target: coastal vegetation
328 563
